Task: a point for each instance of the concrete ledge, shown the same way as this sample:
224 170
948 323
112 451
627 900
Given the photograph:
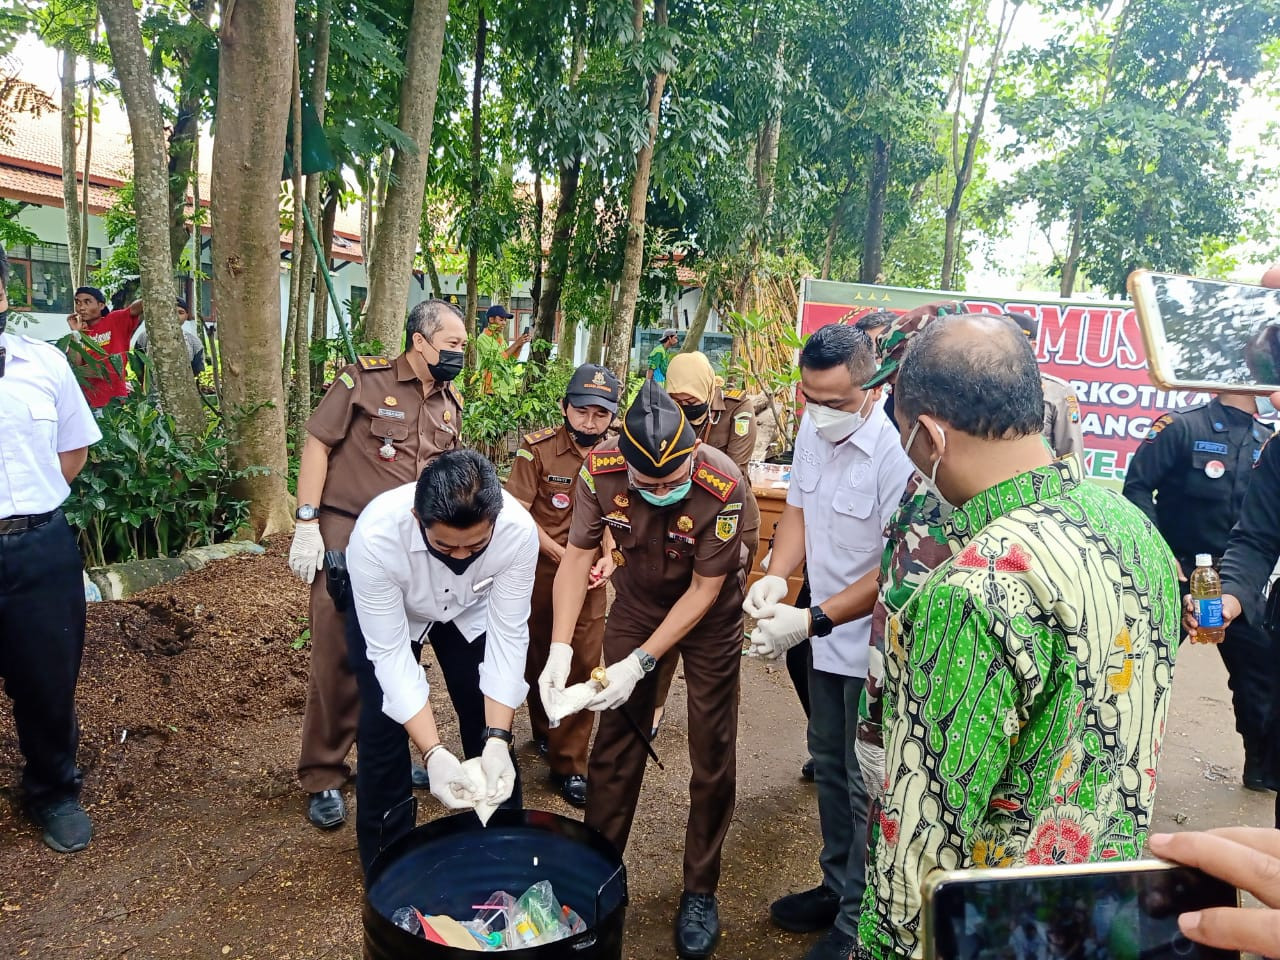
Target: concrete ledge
119 581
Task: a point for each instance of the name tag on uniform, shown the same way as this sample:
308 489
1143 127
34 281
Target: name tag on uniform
682 538
555 479
391 414
1208 446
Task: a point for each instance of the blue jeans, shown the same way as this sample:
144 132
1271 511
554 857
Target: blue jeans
842 796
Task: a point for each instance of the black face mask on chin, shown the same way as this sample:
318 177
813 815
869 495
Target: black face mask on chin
453 564
580 438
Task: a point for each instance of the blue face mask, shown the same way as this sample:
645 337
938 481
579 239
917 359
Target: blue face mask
674 495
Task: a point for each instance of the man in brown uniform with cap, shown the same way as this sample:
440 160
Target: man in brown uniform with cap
381 422
676 510
724 419
543 480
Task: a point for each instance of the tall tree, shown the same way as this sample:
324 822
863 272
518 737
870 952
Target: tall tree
168 351
70 196
248 154
622 321
477 156
397 228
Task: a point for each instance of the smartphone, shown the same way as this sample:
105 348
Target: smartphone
1119 911
1208 334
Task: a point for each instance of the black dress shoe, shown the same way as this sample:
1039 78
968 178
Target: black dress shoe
67 827
573 787
1255 770
806 771
806 912
835 944
541 744
697 926
327 809
421 781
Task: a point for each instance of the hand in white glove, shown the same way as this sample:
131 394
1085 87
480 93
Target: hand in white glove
499 771
764 594
451 784
779 631
559 704
556 673
623 677
306 553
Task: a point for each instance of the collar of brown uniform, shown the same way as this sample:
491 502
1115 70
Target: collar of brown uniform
564 443
717 399
404 369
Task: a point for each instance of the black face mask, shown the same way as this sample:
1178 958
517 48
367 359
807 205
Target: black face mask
580 438
696 412
454 565
888 409
448 367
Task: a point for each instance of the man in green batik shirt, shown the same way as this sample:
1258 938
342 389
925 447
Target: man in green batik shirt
1027 679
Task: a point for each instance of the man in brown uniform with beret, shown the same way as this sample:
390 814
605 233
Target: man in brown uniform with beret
381 422
543 479
676 510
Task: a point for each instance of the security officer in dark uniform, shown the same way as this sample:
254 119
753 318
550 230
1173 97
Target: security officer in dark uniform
1198 463
44 443
675 508
381 422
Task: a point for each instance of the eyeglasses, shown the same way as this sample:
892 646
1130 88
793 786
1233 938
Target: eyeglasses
663 487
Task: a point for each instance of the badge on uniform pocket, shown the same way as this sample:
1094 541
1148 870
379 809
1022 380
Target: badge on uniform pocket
560 501
1214 469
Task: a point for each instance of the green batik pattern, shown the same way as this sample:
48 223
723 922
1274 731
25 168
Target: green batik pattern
1026 689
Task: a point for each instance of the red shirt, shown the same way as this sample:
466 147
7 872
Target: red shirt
111 335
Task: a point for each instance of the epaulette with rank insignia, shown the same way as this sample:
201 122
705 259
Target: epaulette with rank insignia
539 435
605 461
373 363
457 395
714 482
734 394
1154 430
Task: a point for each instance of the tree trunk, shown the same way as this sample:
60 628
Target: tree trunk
397 230
181 155
873 236
88 161
558 259
320 318
70 196
693 338
296 256
167 352
1072 263
624 308
837 215
473 238
539 215
595 345
248 153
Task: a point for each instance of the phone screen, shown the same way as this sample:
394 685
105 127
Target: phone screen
1106 915
1217 332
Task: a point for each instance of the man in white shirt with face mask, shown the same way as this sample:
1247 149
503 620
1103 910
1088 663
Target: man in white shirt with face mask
847 477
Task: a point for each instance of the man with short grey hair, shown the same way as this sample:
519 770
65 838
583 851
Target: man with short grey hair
381 422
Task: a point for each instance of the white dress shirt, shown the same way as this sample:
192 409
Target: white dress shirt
849 492
42 413
400 590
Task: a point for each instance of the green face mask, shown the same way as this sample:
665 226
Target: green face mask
674 495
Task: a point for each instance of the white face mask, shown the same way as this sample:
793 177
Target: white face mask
835 425
930 483
1266 409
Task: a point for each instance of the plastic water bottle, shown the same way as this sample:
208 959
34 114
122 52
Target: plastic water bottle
1206 591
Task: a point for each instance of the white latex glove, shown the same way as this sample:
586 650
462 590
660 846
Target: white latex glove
474 768
764 561
556 673
871 763
499 771
456 788
780 630
559 704
764 593
623 677
306 553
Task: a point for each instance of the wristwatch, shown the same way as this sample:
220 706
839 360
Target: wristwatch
497 733
305 511
647 660
819 623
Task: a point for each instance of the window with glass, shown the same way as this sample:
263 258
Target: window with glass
40 277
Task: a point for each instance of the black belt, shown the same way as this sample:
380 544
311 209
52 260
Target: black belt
12 525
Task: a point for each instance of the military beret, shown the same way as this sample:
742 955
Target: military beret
891 345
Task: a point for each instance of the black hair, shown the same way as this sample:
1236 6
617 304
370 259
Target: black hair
977 373
459 489
183 304
93 292
427 317
836 344
875 320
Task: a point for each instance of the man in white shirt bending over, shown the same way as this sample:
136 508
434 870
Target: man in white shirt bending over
449 559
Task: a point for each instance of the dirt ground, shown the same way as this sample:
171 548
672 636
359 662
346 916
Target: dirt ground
191 700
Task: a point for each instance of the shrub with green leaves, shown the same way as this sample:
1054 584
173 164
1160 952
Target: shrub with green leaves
146 492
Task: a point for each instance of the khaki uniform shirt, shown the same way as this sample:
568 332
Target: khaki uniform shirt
660 548
1062 418
730 426
544 475
375 404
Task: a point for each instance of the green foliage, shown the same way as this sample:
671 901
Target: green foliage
507 407
145 493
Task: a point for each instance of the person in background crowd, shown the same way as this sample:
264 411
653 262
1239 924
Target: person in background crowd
106 335
48 429
1190 477
195 349
1061 407
1027 679
451 558
674 505
378 425
660 356
543 482
492 343
725 420
846 480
